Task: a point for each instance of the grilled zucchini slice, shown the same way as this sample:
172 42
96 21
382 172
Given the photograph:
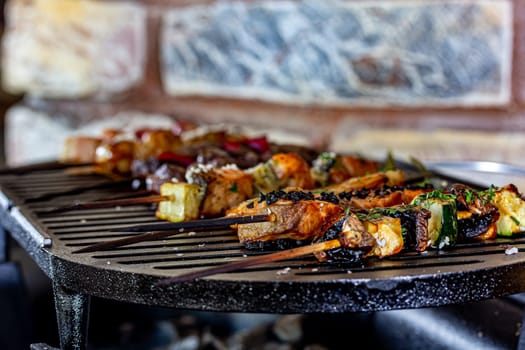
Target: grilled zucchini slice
443 221
264 178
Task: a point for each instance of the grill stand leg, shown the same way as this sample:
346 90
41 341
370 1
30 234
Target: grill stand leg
72 311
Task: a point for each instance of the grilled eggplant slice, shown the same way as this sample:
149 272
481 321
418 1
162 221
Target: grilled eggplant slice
477 215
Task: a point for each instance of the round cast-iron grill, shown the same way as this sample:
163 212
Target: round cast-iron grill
468 272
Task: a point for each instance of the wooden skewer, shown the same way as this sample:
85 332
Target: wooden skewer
79 189
42 166
170 229
252 261
110 203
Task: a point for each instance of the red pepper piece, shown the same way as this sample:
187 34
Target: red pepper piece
176 158
232 146
260 144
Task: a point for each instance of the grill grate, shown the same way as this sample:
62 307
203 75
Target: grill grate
468 272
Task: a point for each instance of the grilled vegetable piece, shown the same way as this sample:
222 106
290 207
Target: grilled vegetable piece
264 178
224 188
184 204
414 223
387 232
477 215
511 208
443 222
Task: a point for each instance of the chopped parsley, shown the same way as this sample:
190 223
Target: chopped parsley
234 187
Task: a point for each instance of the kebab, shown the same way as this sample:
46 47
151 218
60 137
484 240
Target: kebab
349 239
209 191
280 217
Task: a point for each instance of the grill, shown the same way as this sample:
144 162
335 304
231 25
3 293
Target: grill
469 272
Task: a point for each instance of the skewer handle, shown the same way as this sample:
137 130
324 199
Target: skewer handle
256 260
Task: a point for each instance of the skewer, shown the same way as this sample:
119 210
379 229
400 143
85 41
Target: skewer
167 229
79 189
109 203
251 261
42 166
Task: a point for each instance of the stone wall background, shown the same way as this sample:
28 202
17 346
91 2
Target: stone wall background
326 73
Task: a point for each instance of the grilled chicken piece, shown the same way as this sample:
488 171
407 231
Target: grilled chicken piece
291 170
224 188
332 168
386 196
80 149
301 220
511 207
115 157
371 181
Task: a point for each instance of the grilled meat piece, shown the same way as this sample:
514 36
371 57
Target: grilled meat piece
292 171
80 149
355 240
115 157
152 142
300 220
165 173
332 168
370 181
224 188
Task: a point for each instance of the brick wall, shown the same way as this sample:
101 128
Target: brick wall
333 73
